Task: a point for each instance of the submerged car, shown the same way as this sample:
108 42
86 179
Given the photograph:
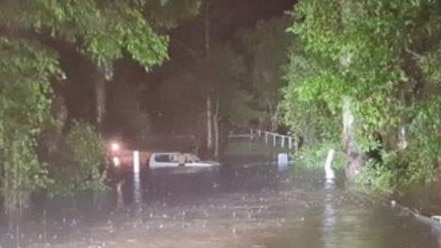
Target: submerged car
178 159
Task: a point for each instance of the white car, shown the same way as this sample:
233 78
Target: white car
177 159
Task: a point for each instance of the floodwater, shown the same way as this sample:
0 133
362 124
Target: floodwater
243 206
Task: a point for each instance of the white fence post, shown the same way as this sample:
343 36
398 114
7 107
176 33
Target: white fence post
251 139
286 141
137 196
296 144
136 165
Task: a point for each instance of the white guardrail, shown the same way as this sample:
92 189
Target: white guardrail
270 137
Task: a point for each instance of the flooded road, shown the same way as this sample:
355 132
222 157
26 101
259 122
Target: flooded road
238 206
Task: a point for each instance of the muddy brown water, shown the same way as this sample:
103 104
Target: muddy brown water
253 205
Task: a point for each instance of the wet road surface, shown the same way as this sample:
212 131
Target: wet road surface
253 206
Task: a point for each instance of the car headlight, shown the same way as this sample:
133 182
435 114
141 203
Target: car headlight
115 147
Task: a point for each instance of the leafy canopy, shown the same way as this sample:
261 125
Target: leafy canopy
383 54
102 30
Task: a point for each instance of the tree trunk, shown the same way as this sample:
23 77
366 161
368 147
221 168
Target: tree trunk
216 121
15 184
207 28
105 73
402 138
209 109
349 9
209 126
349 145
273 111
100 91
59 109
216 138
439 155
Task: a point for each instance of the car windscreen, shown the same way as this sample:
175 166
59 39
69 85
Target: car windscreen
164 158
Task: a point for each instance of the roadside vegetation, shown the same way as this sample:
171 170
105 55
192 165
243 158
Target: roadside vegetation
77 164
367 72
34 36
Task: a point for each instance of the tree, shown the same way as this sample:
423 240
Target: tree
183 95
224 70
375 53
266 49
209 29
81 156
26 68
102 30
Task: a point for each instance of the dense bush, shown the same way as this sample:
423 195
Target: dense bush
415 165
314 155
78 164
383 58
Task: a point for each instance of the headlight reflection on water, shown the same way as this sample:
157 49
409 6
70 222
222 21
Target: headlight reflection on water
116 161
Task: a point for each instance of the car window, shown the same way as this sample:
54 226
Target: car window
162 158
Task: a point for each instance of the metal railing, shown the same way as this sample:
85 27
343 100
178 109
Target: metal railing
270 138
275 138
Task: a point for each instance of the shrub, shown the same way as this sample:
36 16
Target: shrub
314 155
81 158
399 170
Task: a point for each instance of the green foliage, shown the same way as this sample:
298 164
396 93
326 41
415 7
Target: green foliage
102 30
21 173
26 68
83 156
305 106
397 171
314 155
384 54
378 178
